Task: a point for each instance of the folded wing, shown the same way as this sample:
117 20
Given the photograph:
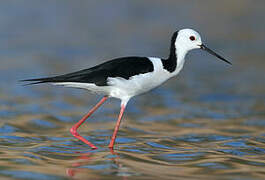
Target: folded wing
125 67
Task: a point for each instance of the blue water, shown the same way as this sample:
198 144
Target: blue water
207 123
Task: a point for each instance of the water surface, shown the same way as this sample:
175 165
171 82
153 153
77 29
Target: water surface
208 123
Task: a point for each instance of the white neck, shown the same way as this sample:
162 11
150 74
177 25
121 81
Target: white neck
180 54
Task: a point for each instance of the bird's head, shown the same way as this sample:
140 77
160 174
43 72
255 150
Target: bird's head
188 39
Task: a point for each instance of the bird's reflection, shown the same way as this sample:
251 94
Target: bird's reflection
82 159
86 158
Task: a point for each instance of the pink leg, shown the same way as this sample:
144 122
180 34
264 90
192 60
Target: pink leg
73 130
111 144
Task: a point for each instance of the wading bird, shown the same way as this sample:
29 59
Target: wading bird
126 77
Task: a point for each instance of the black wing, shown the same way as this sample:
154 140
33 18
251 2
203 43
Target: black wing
121 67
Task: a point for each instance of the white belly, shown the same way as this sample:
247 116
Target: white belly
135 85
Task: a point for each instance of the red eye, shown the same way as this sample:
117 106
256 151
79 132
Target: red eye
192 38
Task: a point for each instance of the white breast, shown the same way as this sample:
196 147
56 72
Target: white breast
141 83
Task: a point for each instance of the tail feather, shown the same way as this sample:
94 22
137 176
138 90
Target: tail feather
37 81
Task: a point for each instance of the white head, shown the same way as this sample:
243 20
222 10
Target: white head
188 39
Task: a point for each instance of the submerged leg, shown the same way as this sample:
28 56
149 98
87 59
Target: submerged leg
111 144
73 130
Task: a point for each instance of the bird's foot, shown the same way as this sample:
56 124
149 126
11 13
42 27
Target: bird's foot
74 132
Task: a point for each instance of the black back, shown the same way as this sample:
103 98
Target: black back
170 63
125 67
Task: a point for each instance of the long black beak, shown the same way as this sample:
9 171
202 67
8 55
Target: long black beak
203 47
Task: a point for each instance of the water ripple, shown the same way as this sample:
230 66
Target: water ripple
208 123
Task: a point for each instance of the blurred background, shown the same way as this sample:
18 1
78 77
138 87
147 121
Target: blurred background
206 122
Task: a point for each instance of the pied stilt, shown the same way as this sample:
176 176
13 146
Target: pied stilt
126 77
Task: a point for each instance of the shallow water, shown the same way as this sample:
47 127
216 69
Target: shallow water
208 123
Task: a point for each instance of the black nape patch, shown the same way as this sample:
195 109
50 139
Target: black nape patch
125 67
170 63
